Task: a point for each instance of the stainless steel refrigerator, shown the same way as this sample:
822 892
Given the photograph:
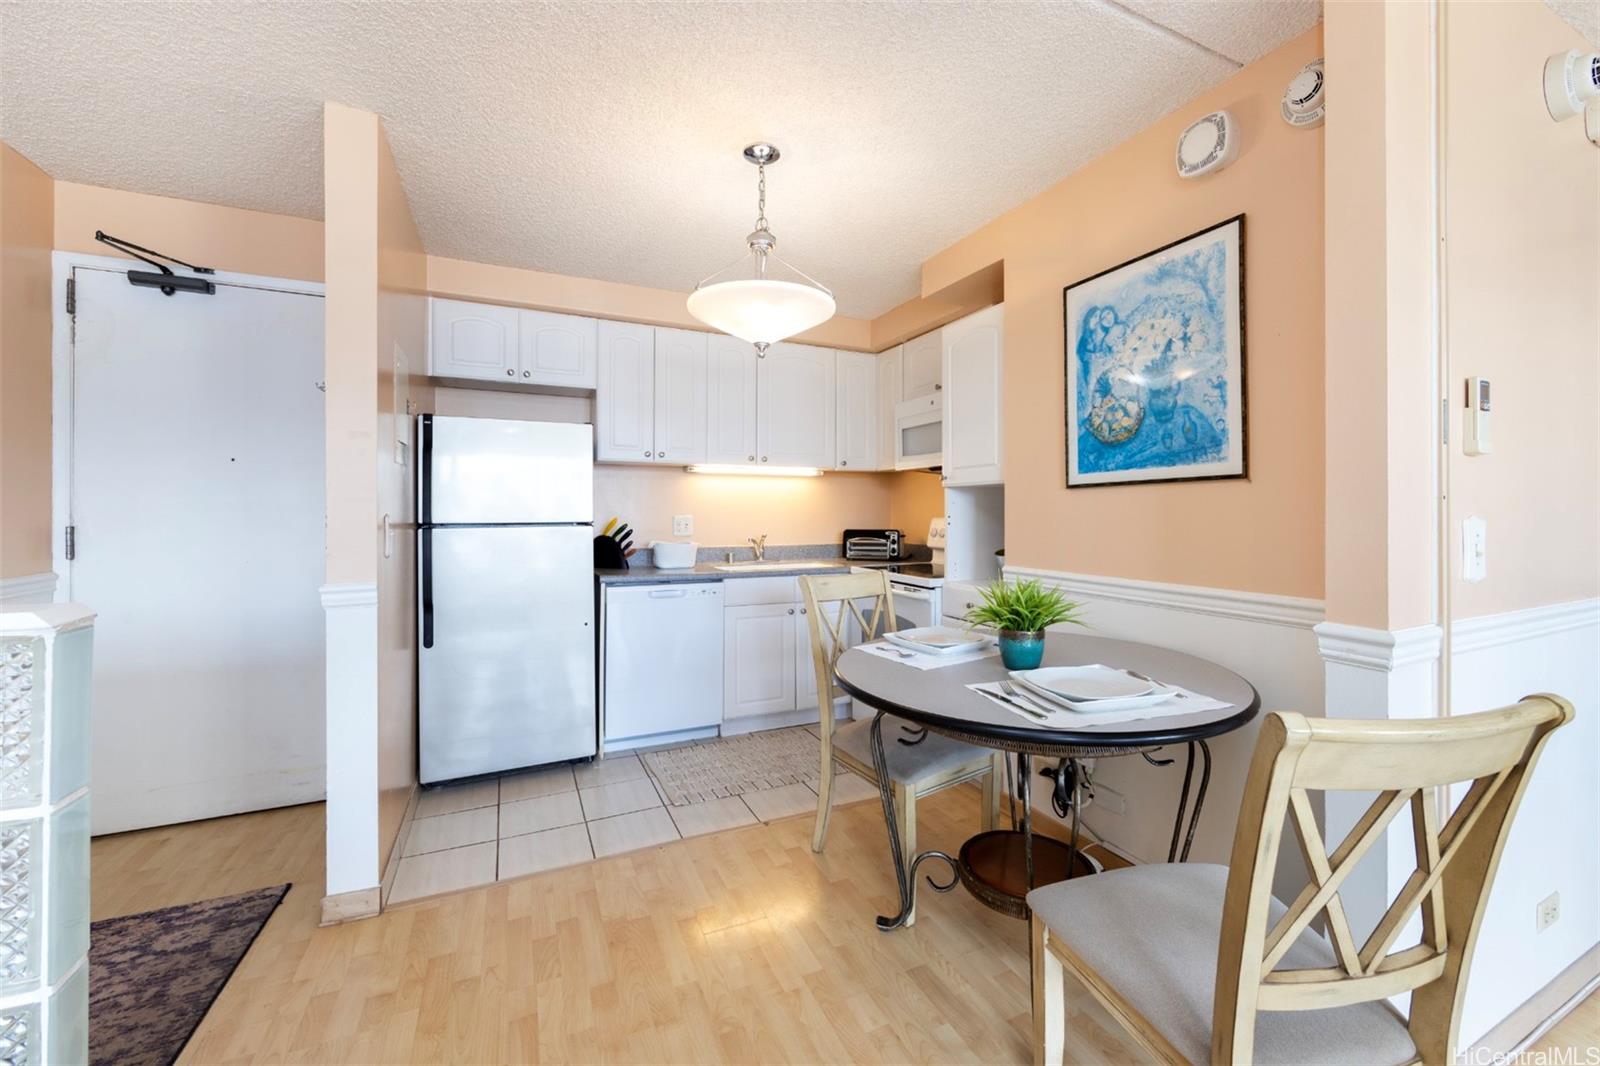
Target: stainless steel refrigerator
505 595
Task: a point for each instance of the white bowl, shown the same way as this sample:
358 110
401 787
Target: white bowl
674 554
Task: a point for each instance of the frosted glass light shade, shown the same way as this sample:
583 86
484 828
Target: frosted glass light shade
761 310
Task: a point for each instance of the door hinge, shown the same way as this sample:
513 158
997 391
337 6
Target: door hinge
72 543
72 296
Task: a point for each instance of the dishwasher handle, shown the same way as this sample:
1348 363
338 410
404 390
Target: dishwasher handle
666 594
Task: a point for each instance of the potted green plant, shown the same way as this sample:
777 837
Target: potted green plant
1022 610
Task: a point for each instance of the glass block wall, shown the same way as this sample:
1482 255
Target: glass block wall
44 834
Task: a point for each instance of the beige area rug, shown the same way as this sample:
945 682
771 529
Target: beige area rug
733 766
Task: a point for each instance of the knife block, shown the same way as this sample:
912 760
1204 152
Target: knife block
608 554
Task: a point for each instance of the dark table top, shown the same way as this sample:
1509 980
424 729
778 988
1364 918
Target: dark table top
940 698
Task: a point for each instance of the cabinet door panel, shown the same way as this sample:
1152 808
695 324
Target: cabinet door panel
890 386
856 411
473 341
758 660
558 350
730 400
972 402
624 408
923 370
794 411
680 396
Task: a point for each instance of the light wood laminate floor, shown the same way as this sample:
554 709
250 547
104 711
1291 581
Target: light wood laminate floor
740 946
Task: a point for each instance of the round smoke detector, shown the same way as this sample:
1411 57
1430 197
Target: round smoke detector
1305 101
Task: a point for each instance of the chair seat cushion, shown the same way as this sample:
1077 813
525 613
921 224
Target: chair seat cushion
1151 933
907 762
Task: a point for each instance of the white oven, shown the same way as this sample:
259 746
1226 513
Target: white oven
919 433
914 605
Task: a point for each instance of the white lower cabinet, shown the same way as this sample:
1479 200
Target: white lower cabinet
760 660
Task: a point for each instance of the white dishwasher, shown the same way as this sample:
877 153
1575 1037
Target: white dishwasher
663 661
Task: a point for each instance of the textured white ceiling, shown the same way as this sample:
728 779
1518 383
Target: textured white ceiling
602 139
1581 15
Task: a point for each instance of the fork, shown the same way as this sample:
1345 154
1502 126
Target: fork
1017 700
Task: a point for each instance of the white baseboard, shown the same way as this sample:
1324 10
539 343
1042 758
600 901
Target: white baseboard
28 589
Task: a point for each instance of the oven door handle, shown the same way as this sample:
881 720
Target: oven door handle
906 592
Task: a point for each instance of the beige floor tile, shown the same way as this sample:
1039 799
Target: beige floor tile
605 801
448 799
451 830
540 813
630 832
443 871
609 771
774 803
553 848
697 819
530 784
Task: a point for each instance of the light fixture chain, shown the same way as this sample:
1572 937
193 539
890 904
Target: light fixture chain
761 197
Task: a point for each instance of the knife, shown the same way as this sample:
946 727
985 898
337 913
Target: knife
1019 705
606 532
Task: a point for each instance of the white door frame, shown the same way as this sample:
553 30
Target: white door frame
61 375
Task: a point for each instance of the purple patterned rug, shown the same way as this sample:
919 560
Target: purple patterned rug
153 976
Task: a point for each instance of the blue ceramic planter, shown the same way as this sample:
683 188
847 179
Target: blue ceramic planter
1021 651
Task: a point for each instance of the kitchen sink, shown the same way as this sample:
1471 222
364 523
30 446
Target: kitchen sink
778 564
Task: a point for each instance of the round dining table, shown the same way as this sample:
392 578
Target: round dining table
1000 866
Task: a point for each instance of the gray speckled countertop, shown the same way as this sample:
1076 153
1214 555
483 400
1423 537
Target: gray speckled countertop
653 575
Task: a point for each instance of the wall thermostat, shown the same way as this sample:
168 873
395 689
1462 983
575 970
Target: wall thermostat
1305 101
1210 144
1478 439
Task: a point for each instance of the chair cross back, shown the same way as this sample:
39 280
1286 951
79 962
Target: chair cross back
831 631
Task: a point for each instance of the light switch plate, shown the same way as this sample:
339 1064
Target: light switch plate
1474 549
682 525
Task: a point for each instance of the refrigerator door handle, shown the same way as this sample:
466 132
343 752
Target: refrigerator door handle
425 473
427 586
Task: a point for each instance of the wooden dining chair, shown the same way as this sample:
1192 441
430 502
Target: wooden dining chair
1201 963
843 609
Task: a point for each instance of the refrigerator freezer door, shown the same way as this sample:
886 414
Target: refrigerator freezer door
506 673
498 471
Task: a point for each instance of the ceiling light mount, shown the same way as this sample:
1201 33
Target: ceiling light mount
750 299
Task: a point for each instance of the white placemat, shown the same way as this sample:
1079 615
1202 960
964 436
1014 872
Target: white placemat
1182 702
919 661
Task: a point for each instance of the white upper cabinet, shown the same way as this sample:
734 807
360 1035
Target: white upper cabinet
856 411
794 406
890 386
973 364
681 391
625 407
923 373
730 400
473 341
557 349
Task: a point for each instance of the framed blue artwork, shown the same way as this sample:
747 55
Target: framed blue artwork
1155 365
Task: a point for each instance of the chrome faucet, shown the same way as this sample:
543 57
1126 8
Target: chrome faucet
760 545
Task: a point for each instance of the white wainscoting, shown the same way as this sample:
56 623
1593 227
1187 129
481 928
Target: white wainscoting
28 589
1497 660
351 613
1267 639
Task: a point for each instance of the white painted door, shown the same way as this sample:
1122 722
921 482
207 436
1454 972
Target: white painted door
923 369
856 411
472 341
890 384
730 400
759 660
680 396
557 350
972 402
197 503
624 399
794 407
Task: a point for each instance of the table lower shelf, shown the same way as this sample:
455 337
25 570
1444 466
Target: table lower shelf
993 866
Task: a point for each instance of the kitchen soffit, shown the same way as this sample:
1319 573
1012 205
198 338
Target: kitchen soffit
601 140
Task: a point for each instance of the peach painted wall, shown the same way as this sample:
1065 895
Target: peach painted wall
1523 239
223 238
26 208
915 499
1264 534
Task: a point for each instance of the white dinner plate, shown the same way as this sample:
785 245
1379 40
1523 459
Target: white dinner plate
1081 684
937 640
1128 703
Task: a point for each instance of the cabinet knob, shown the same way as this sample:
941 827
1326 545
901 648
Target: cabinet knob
752 458
802 610
791 610
938 387
763 458
661 455
527 373
511 373
647 455
844 462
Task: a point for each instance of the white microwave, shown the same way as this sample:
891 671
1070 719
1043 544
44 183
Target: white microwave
919 432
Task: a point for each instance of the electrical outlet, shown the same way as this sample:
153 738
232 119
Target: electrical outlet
682 525
1549 911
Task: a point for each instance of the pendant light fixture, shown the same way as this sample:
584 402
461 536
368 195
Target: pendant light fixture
760 298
